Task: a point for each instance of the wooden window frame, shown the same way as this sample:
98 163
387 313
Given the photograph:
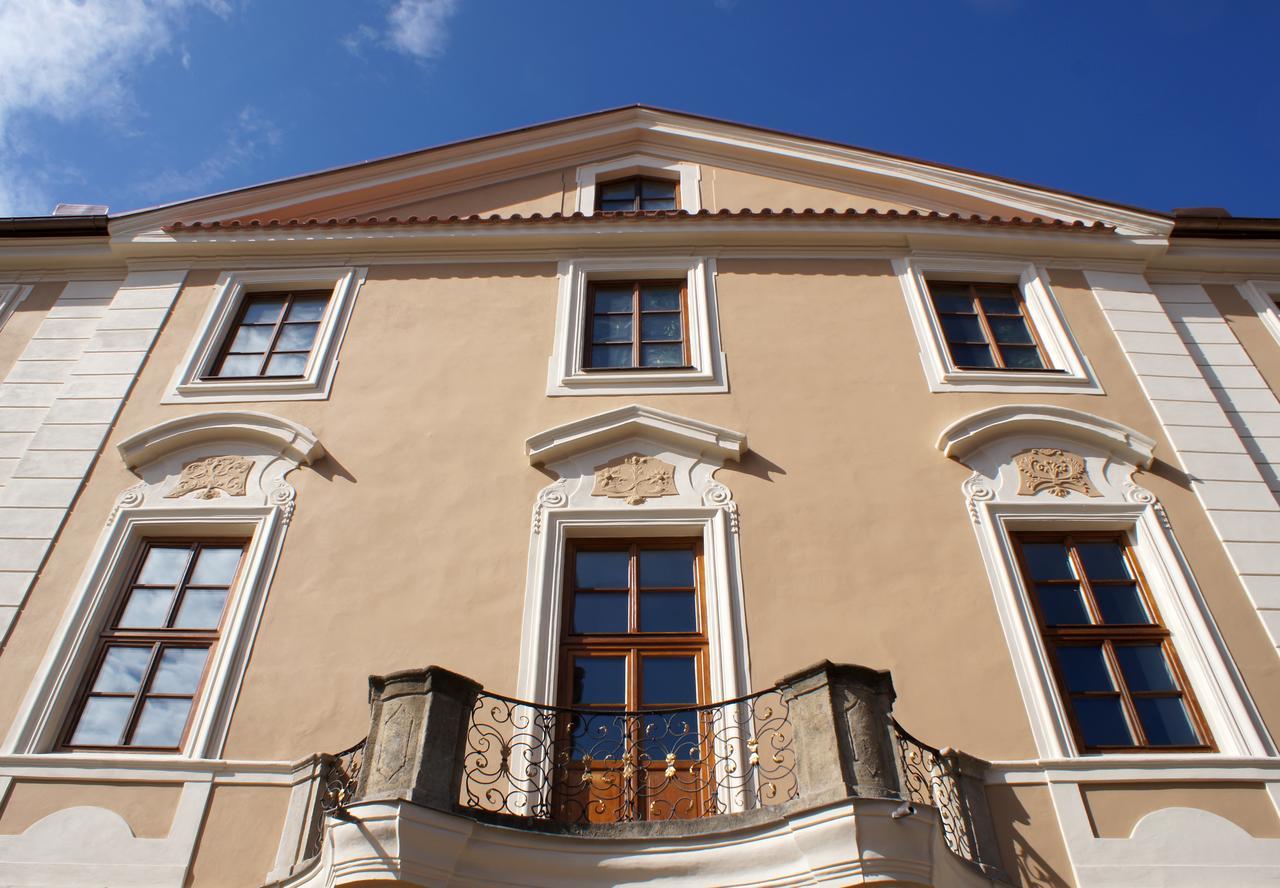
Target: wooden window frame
158 639
588 338
246 300
1107 636
634 645
1015 292
637 186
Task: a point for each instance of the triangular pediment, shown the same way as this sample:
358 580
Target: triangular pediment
536 171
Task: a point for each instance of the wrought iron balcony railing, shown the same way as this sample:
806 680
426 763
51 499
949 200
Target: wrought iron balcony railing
820 736
583 766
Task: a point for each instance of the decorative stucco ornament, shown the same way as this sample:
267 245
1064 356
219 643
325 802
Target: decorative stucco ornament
636 478
226 474
1057 471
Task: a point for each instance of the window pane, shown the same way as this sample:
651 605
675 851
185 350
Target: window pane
161 723
262 311
657 188
1062 605
1103 561
287 365
241 365
660 326
963 328
952 299
122 670
1102 721
611 356
102 721
661 355
972 356
216 566
310 308
599 680
1021 357
659 298
1165 721
200 609
668 612
600 612
1048 561
610 299
665 681
1011 330
1145 668
598 735
296 337
1120 604
658 203
1084 668
179 671
164 566
999 304
251 339
602 570
611 328
666 567
147 608
617 206
625 190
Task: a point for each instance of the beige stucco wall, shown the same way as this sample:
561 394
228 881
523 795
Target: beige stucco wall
24 322
238 842
1031 847
1115 808
410 539
1249 329
148 809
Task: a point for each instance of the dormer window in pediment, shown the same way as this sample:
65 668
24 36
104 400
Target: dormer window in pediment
638 183
636 194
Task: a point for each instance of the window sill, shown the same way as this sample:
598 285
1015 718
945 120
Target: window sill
1014 381
231 390
605 381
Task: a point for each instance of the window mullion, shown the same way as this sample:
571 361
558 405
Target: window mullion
1126 698
986 327
131 723
275 333
180 591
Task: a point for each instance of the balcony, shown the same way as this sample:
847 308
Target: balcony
811 780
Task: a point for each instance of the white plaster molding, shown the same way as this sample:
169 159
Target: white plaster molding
1262 296
687 175
1068 369
591 432
566 373
987 443
191 383
964 436
285 437
845 843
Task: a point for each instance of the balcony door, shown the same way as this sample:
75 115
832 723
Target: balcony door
633 656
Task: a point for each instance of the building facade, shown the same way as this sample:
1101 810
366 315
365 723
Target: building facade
661 499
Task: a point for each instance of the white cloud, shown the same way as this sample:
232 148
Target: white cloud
69 59
250 137
418 28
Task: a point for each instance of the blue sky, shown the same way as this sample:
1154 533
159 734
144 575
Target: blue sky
130 103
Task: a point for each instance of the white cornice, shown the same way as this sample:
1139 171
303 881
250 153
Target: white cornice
965 436
290 439
634 420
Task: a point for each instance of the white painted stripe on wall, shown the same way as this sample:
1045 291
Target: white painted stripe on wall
57 406
1196 375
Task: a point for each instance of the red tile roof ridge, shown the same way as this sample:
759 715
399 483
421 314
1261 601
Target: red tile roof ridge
640 216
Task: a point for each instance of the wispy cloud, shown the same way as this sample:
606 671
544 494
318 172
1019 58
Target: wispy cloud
71 59
250 137
417 28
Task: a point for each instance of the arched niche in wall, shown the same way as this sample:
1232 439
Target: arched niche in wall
634 472
208 475
1040 467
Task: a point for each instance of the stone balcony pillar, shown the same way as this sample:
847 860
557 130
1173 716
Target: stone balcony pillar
842 718
417 736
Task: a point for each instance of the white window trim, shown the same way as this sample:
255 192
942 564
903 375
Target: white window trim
689 175
189 385
565 372
1071 370
544 594
1262 296
11 296
1214 680
39 726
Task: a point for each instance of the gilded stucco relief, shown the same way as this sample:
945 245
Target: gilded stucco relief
1053 470
635 479
212 476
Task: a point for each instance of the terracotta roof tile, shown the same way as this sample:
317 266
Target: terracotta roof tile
632 218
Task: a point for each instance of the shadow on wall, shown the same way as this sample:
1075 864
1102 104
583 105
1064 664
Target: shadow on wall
756 466
1027 866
